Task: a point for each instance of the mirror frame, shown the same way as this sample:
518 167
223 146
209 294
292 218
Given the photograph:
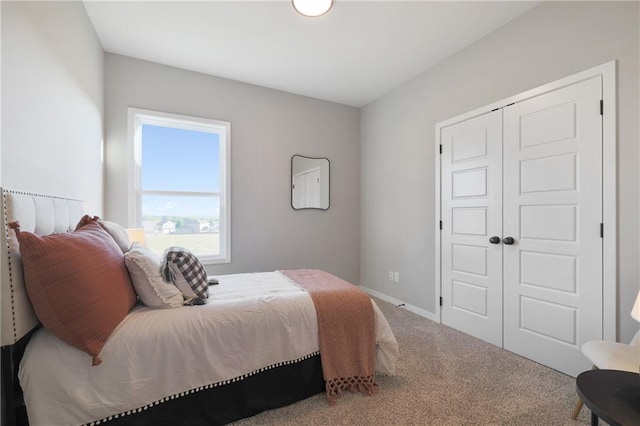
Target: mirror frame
328 182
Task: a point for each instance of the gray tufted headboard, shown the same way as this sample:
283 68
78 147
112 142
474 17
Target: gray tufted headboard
42 215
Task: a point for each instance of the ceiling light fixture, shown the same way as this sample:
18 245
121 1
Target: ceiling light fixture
312 8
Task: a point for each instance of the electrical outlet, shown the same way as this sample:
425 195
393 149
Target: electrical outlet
390 275
396 277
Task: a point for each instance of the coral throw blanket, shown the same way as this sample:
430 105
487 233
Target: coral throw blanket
346 331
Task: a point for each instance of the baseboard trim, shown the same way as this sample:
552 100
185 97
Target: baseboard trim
418 311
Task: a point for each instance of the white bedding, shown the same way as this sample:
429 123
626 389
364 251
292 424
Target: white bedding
251 322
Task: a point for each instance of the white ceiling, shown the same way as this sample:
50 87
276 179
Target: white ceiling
355 53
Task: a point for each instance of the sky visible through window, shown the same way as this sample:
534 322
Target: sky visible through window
180 160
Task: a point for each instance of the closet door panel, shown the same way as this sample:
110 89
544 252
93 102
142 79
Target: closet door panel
552 189
472 213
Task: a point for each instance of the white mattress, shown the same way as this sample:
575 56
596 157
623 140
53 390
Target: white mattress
250 323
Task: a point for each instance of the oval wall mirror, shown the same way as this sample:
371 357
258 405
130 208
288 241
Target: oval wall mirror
309 182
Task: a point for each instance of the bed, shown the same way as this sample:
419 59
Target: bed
253 346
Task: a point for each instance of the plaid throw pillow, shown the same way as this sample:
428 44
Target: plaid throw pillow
182 268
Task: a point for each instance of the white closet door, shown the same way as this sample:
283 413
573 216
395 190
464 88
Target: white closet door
471 180
553 209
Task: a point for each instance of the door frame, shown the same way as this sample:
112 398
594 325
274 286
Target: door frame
609 184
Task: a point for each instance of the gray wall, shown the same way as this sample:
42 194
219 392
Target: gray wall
553 40
267 128
52 101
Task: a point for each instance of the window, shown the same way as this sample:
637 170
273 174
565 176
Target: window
179 193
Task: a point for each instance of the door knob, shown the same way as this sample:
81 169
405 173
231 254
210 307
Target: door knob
508 241
494 240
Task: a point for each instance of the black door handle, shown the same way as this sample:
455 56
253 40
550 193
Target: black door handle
494 240
508 241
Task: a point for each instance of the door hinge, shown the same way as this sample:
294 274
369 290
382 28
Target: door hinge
601 107
440 300
440 148
440 224
601 230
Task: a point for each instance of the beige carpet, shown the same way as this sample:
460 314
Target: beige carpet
444 377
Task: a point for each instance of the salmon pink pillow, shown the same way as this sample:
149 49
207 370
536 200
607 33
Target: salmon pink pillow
78 284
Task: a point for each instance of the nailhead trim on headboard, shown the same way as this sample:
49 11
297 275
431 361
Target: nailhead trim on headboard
10 267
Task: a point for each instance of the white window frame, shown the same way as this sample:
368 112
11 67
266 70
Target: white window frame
136 119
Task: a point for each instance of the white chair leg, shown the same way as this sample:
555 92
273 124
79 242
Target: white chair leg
579 403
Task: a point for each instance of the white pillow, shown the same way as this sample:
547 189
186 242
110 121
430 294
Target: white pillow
117 232
144 268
